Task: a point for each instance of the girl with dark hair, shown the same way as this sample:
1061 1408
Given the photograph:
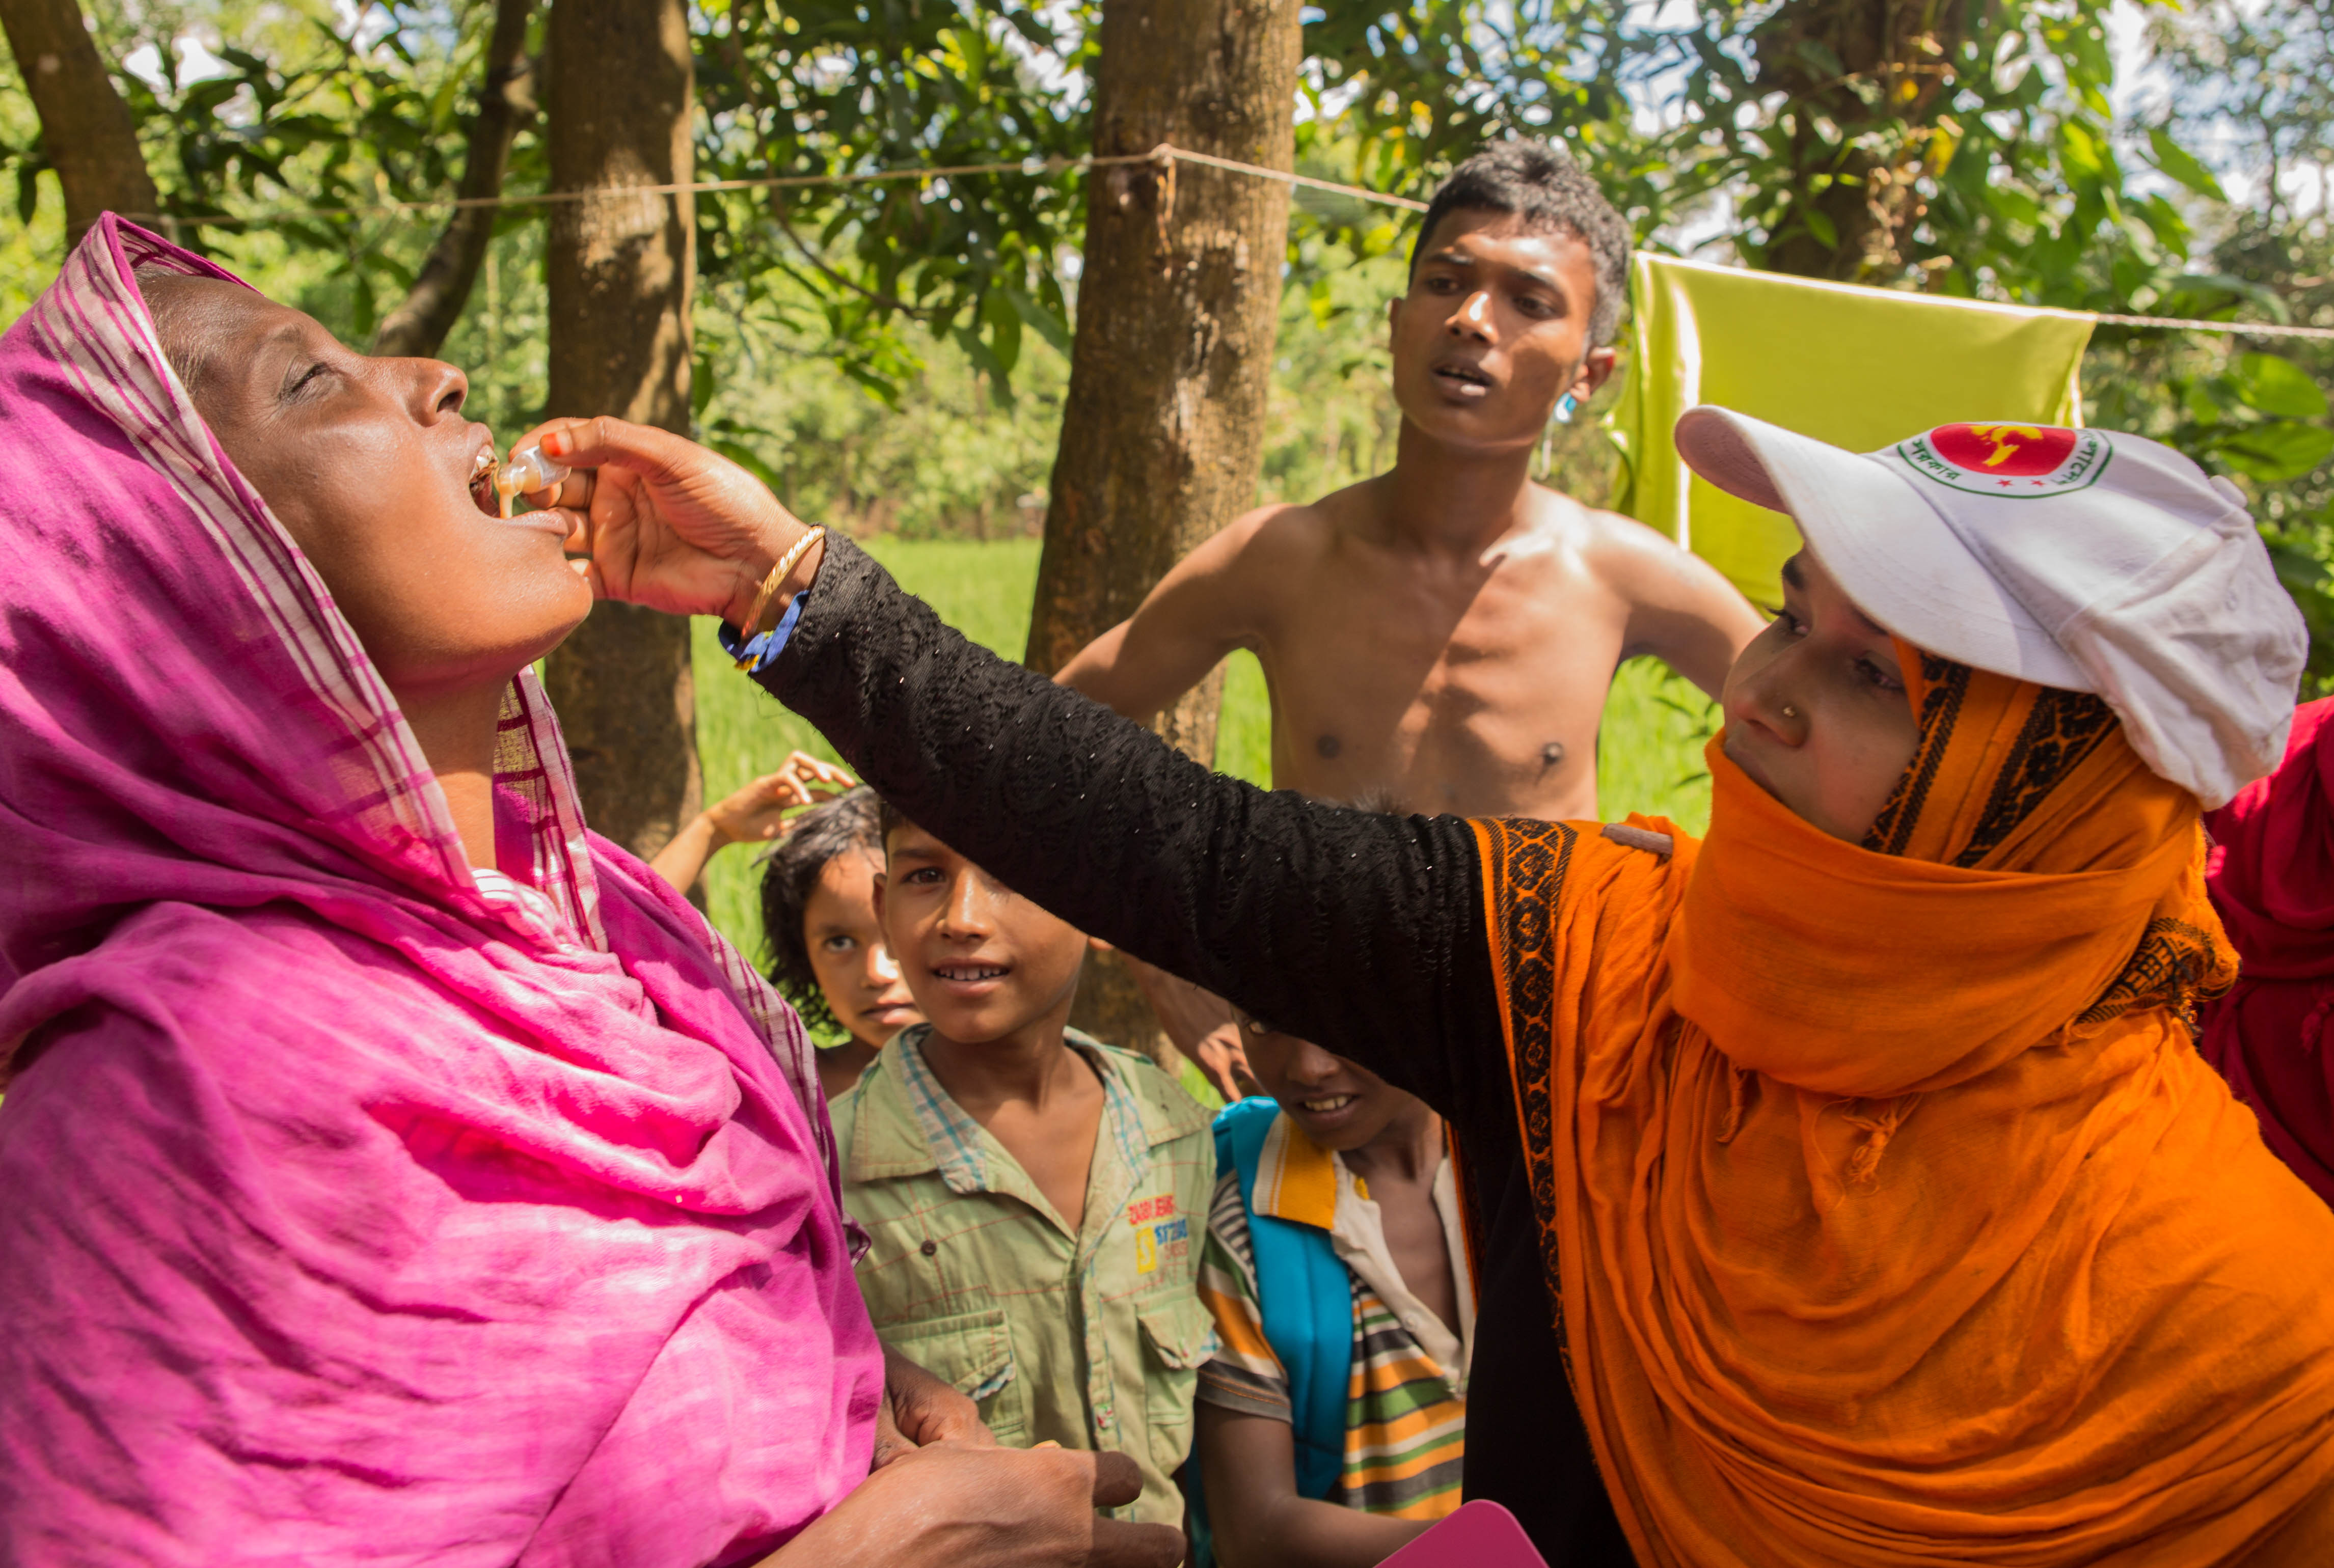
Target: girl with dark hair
828 955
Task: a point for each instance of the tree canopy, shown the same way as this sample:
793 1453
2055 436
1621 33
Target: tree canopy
1986 150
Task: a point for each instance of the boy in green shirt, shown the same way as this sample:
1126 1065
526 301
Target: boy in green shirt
1036 1199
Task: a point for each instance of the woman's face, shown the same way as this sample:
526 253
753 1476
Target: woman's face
1816 709
856 971
384 485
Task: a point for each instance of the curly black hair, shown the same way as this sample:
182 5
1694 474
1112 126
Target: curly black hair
847 822
1539 183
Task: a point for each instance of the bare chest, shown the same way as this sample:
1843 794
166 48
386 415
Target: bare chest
1420 1251
1481 699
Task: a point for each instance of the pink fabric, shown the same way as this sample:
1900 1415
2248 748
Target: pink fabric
349 1211
2272 875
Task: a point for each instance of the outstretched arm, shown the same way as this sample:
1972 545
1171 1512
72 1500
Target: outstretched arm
1361 932
1213 600
1680 609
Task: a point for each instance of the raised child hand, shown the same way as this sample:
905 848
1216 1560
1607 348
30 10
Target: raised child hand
758 812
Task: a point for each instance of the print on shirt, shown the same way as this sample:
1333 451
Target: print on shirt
1160 1236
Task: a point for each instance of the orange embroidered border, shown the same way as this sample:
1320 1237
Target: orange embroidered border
1524 868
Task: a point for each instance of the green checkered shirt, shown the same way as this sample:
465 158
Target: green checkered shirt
1092 1340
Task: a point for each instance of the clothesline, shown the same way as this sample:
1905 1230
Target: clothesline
1165 154
2184 325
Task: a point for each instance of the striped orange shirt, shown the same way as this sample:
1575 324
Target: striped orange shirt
1406 1410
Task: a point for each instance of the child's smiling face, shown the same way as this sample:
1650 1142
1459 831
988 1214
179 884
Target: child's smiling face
981 961
1340 1104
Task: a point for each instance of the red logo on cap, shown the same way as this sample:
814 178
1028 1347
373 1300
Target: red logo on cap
2011 451
2009 462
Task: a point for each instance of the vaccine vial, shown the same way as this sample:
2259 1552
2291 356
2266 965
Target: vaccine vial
527 471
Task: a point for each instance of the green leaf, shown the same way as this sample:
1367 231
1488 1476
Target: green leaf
2082 154
2164 221
367 309
2178 164
205 99
2207 293
2205 397
1004 324
700 385
1049 323
2301 567
2274 453
1820 225
978 352
2014 205
2278 386
1820 56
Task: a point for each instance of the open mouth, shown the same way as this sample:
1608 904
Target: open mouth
482 483
970 974
1464 378
1328 1104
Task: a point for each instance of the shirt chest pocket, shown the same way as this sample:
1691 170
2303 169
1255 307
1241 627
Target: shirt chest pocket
1178 1335
974 1352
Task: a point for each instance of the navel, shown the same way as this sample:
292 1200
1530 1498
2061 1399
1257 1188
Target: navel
1550 755
1328 747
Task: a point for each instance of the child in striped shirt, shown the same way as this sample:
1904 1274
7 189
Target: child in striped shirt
1331 1421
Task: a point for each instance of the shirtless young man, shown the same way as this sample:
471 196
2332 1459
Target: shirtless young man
1445 634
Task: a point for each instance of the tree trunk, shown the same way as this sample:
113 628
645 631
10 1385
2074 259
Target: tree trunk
418 327
85 128
1820 53
617 86
1162 431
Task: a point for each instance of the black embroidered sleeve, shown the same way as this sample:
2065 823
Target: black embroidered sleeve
1360 931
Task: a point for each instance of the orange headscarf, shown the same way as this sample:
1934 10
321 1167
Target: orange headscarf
1892 1214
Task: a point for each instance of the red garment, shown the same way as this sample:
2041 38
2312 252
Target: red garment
2271 876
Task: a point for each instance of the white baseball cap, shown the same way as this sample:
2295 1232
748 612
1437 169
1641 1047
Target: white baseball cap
2088 560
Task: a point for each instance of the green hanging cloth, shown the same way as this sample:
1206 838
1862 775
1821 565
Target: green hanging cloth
1857 367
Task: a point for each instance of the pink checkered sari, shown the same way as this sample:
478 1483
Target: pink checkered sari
351 1210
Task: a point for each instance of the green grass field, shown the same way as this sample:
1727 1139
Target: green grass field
1649 757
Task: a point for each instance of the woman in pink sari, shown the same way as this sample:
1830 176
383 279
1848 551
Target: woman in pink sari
391 1170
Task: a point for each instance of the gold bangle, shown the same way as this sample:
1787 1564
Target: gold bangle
775 580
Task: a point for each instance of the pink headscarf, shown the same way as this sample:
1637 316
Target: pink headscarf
349 1210
2272 875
